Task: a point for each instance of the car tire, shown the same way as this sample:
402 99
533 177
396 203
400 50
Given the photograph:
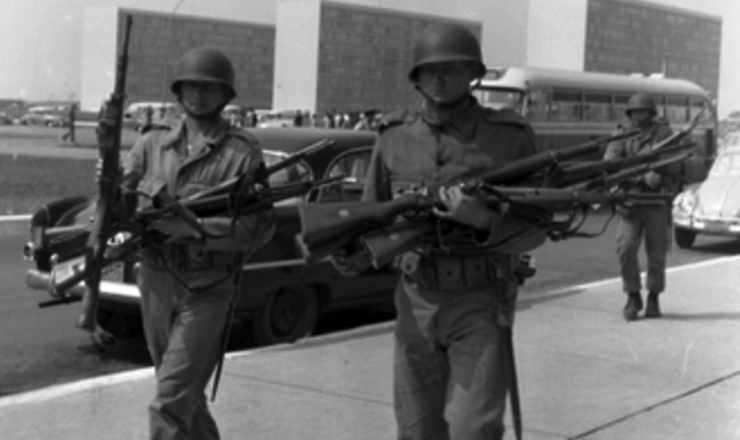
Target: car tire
288 315
60 212
684 237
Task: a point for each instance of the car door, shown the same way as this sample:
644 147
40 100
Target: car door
374 285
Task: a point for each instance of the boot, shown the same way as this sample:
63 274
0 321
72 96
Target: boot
653 306
633 306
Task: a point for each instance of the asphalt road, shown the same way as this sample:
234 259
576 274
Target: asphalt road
42 347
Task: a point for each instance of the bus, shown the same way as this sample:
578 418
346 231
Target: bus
566 107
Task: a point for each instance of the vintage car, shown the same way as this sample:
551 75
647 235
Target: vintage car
282 296
711 207
49 116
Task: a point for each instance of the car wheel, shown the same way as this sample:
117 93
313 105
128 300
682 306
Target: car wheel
684 237
288 315
62 212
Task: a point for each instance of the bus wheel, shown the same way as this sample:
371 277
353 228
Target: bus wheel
684 237
288 315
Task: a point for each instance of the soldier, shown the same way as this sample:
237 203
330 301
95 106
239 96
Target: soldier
651 222
455 296
188 281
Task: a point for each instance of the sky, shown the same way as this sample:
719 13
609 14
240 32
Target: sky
34 68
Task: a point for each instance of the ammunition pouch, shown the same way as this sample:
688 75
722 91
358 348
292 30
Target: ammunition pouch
457 273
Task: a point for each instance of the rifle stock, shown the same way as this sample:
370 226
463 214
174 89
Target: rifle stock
326 228
383 245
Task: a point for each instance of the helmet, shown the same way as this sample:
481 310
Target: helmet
641 101
204 64
444 42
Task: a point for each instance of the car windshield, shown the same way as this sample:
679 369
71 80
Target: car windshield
727 165
294 173
500 98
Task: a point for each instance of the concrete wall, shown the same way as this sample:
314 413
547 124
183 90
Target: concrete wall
351 55
557 33
157 43
627 36
365 56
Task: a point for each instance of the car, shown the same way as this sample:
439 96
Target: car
711 207
5 119
282 296
277 118
46 115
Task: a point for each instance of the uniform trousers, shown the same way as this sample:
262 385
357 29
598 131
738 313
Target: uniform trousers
183 332
651 223
449 372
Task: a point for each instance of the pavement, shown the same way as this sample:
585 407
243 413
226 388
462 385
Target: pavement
584 373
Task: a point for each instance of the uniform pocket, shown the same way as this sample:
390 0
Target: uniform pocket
151 187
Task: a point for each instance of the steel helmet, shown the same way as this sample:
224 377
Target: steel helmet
445 42
641 101
204 64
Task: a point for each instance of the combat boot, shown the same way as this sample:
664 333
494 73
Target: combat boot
653 306
633 306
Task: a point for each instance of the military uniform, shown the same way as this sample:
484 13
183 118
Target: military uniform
454 296
651 222
186 288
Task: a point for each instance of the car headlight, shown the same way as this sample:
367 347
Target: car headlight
685 202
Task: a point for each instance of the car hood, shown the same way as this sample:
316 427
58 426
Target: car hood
720 197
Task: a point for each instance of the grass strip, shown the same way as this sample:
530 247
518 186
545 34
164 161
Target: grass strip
27 182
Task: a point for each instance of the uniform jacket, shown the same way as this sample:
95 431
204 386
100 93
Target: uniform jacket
159 161
419 148
645 142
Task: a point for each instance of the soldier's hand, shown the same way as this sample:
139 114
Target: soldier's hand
175 228
652 179
463 208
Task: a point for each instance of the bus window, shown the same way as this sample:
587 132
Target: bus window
696 105
597 107
537 106
676 109
619 107
566 106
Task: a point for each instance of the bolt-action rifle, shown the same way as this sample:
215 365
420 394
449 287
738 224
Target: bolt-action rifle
330 228
110 124
235 197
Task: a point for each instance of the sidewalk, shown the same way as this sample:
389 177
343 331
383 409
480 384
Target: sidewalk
584 374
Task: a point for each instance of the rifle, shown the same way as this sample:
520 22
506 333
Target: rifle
606 182
578 173
380 246
110 124
328 227
67 239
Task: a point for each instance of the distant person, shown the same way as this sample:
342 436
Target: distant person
651 223
70 135
298 119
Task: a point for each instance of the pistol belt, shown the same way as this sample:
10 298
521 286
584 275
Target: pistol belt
186 258
460 273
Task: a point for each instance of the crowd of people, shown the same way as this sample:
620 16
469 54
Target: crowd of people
351 120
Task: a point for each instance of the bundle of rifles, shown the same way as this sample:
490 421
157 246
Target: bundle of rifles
551 190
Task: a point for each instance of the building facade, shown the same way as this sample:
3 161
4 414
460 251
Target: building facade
352 55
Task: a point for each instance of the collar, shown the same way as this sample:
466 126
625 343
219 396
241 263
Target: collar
209 139
462 115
